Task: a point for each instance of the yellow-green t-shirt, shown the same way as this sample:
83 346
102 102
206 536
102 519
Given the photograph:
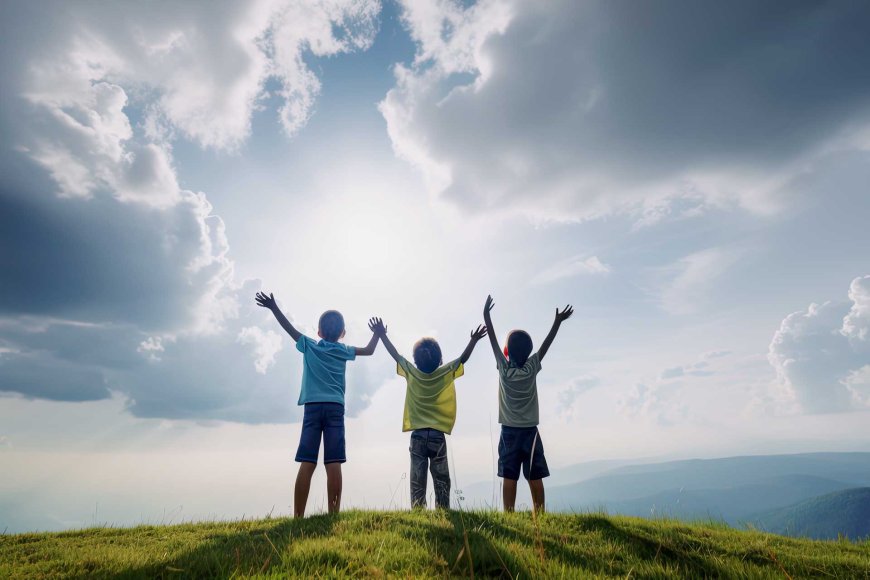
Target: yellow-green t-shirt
430 399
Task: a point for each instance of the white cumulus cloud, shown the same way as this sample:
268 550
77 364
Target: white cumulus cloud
820 354
265 343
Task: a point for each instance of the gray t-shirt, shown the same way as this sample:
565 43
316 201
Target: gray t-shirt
518 392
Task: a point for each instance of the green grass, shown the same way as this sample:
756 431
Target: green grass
431 544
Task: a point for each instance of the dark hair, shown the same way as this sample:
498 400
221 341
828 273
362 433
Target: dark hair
331 325
519 347
427 354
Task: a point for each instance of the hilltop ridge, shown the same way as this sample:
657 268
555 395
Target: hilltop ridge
430 544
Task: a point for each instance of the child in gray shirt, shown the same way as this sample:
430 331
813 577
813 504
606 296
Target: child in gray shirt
520 443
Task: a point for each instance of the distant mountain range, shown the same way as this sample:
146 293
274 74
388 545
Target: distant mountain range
826 517
772 492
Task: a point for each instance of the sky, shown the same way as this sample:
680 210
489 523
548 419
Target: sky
692 177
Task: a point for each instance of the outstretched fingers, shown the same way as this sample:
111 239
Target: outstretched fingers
376 325
265 301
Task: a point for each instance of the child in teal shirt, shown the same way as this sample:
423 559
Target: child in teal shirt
322 393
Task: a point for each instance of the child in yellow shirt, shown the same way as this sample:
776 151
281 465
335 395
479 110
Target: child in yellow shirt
430 410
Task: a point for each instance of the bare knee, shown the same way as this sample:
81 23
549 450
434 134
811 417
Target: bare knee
333 472
306 469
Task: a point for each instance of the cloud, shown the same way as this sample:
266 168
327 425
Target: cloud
664 398
569 395
244 372
858 383
689 281
672 373
116 280
656 401
43 375
197 68
571 267
589 108
103 260
820 354
697 369
856 324
266 345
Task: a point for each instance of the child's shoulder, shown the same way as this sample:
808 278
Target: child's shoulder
307 344
512 370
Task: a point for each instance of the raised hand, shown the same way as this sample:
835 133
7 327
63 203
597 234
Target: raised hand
476 335
376 325
490 304
269 302
266 301
564 314
490 331
479 333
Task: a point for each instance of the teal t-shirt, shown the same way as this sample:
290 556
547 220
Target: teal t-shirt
323 366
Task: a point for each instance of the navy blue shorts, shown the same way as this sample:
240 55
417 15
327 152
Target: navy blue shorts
326 419
521 446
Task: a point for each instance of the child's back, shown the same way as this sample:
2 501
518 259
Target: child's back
518 392
324 363
430 411
430 398
520 446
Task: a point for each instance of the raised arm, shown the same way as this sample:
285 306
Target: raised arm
475 336
269 302
560 317
490 331
369 349
380 330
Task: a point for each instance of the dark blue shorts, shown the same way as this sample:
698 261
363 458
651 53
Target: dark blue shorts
326 419
521 446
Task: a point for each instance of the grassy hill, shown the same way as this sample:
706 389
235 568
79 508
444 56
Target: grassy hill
844 512
431 544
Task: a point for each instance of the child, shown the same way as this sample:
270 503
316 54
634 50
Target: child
322 393
520 443
430 411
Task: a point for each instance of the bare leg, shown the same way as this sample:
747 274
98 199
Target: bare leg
536 486
333 486
509 494
303 486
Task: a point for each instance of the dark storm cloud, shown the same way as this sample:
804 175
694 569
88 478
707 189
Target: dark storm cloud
209 376
40 375
589 105
98 260
90 261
